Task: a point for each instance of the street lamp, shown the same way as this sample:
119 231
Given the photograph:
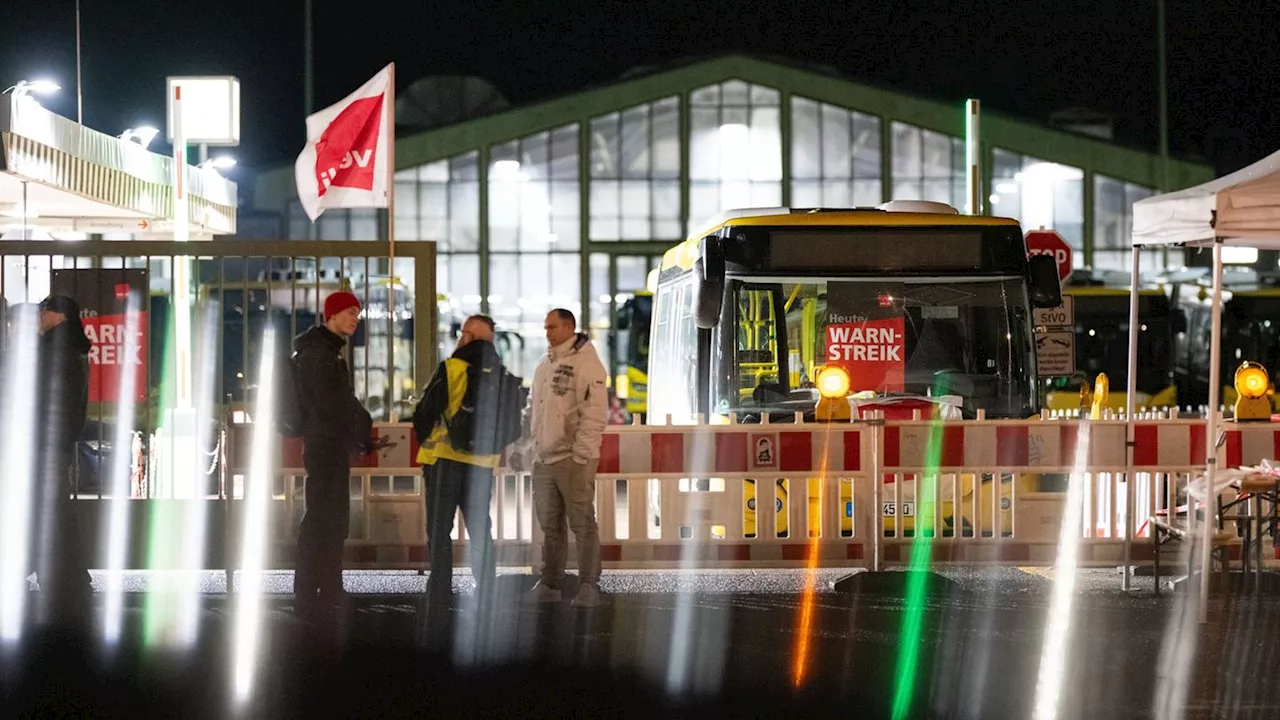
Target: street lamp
222 162
141 135
34 87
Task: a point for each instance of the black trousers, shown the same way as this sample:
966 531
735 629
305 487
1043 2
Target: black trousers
453 486
325 525
57 555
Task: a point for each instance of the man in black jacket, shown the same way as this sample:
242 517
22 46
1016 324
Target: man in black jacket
335 428
61 406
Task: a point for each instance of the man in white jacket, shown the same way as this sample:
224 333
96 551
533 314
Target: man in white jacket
563 422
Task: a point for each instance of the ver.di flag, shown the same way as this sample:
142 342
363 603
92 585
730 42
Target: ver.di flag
344 163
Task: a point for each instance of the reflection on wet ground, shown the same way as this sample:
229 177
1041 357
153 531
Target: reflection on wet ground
667 641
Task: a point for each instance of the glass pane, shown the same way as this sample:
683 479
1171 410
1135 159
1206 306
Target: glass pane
806 140
604 146
666 138
837 156
635 142
704 149
907 152
766 144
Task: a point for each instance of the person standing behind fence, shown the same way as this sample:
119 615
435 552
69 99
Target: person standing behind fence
564 421
62 400
335 427
468 414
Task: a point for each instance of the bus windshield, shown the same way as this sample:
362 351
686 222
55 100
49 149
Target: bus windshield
959 337
1102 342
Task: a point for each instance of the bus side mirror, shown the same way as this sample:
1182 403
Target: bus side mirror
708 277
1046 288
624 316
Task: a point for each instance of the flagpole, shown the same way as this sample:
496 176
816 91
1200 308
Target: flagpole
391 244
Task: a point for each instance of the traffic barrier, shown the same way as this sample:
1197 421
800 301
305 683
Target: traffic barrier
683 496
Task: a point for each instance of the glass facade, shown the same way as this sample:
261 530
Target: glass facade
1113 224
1039 193
735 149
927 165
575 214
835 156
534 236
635 174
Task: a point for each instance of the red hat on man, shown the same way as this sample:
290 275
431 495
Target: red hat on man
338 302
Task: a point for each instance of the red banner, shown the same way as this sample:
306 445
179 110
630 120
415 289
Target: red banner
871 352
115 324
865 334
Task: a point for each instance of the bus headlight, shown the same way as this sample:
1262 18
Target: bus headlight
833 382
1252 383
833 386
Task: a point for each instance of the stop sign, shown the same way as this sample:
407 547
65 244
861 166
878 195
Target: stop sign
1049 242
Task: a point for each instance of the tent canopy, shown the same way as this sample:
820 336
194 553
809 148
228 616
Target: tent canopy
1242 208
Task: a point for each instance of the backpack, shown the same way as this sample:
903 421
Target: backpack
488 420
290 416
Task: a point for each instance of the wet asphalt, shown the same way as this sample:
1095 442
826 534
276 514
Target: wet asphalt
709 644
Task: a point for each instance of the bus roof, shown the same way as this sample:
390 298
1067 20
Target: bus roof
684 254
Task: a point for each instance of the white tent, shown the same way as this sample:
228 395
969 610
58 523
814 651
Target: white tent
1240 209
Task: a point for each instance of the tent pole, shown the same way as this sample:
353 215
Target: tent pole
1131 397
1211 431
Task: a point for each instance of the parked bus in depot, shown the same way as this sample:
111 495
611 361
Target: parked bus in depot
1101 312
911 301
1250 330
632 348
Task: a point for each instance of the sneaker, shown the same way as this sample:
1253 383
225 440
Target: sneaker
542 593
588 596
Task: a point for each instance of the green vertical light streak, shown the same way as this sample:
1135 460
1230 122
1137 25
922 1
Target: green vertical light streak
917 578
159 606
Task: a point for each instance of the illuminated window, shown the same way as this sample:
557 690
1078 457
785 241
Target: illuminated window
635 173
735 151
1038 194
835 156
928 165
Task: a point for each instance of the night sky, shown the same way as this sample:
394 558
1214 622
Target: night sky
1022 57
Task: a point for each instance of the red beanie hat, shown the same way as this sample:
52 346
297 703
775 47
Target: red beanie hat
338 302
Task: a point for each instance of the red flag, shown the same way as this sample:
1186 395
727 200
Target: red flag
345 161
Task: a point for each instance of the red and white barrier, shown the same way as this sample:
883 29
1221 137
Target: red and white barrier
720 450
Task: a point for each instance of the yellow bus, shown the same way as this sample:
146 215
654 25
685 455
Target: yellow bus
910 299
1250 331
1101 310
632 383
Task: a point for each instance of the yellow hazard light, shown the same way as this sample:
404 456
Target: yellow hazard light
833 386
833 382
1252 384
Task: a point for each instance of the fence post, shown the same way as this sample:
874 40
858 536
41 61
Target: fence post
877 479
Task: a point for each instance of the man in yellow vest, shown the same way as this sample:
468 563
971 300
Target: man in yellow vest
455 479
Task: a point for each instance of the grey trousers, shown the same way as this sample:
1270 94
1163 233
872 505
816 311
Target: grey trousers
564 498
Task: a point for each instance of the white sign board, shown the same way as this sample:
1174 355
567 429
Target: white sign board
1063 316
1056 353
210 109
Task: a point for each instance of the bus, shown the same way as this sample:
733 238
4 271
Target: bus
632 382
910 299
1250 331
1101 302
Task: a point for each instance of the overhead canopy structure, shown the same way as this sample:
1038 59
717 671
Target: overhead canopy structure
60 177
1240 209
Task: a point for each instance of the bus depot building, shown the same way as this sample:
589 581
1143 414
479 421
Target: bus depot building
570 202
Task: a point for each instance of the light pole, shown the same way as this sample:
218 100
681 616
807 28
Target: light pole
1163 83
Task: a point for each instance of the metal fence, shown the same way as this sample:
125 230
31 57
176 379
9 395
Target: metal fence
238 290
